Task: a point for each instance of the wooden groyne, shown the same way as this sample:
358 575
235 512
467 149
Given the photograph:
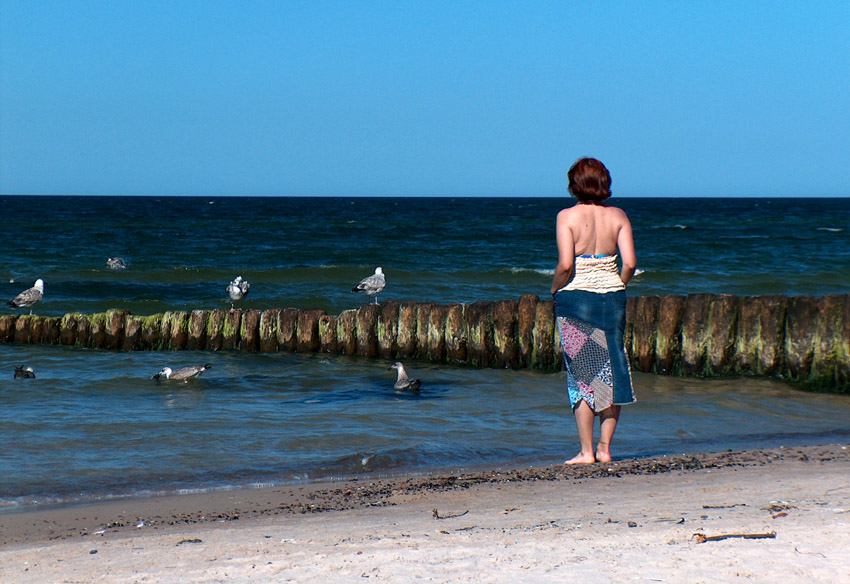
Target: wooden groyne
800 338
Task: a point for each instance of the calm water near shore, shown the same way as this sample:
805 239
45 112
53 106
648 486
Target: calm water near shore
93 424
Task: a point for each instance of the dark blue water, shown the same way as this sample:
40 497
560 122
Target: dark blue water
309 252
93 424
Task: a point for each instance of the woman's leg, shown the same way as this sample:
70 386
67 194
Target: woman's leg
608 423
584 422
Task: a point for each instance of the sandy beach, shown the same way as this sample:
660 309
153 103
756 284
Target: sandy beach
665 519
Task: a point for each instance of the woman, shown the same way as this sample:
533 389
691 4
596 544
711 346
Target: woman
590 305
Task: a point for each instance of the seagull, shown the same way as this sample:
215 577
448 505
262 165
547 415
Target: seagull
116 263
183 374
372 284
404 383
29 297
24 373
237 290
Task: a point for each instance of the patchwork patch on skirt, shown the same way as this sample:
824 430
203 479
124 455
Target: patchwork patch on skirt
589 375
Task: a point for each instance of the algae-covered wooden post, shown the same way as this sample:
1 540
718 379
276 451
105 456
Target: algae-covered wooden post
215 330
346 332
800 337
435 333
68 330
694 320
249 331
526 312
84 330
644 326
720 334
197 340
505 332
544 354
366 330
668 335
46 331
456 334
115 323
388 330
99 324
327 333
287 330
231 331
479 324
175 330
407 333
150 336
132 333
760 335
831 340
268 330
308 330
423 316
843 337
7 328
22 329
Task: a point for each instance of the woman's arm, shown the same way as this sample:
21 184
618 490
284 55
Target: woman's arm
626 247
566 252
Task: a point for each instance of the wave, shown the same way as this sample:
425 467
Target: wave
543 271
830 229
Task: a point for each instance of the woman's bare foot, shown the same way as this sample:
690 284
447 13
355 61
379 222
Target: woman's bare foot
581 458
602 452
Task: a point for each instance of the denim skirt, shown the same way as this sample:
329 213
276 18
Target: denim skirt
591 327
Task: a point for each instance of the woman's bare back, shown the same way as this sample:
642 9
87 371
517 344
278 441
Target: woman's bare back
587 229
595 228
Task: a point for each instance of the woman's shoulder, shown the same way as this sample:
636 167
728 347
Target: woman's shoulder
566 213
579 209
615 212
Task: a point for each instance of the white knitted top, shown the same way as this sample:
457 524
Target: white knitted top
598 274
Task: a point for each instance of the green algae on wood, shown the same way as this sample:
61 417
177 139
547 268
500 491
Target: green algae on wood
804 340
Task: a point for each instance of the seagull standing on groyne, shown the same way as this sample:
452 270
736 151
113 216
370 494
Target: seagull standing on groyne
404 383
29 297
237 290
182 374
373 284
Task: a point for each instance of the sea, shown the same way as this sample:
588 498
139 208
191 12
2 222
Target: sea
93 425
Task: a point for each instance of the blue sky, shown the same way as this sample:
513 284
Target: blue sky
423 98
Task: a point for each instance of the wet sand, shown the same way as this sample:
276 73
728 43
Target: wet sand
636 520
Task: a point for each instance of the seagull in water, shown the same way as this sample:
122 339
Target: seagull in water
237 290
116 263
183 374
24 373
404 383
372 284
29 297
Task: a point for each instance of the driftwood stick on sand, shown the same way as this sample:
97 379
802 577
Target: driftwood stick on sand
437 515
702 538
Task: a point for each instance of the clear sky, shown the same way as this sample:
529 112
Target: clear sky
423 98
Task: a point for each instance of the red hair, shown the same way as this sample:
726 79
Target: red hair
590 181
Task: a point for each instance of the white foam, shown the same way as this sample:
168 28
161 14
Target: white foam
544 271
